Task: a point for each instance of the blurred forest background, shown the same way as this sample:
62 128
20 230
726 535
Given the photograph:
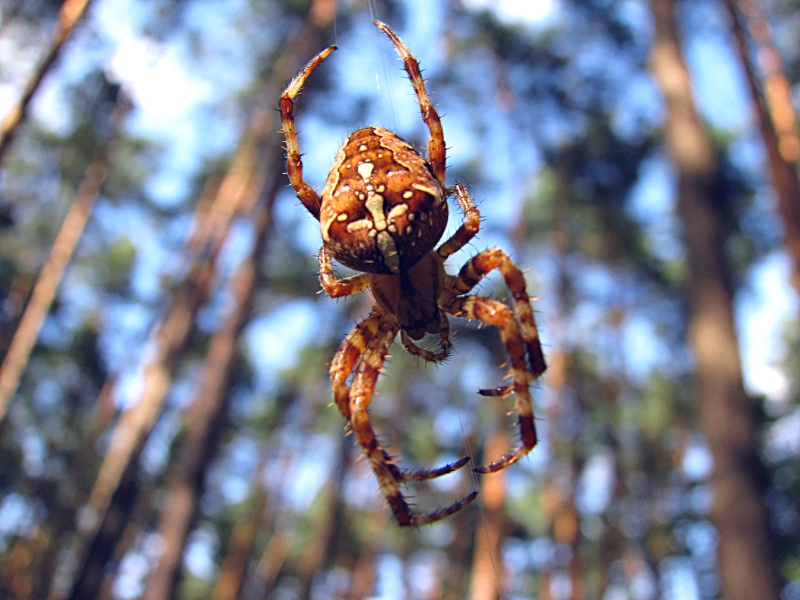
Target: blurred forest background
166 428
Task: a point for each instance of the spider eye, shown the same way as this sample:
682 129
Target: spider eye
382 208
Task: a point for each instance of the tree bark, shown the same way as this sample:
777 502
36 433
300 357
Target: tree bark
257 174
114 492
52 272
746 546
234 567
777 121
207 413
70 14
104 541
486 576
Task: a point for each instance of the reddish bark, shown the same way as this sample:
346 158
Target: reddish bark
727 415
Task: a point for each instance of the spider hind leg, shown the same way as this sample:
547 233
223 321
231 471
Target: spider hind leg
372 344
496 313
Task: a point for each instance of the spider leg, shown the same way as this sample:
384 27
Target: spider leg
469 228
336 288
435 357
388 474
436 147
476 269
519 334
305 192
350 351
424 354
498 314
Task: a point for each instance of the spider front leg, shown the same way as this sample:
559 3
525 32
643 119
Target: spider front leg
519 334
305 192
436 147
377 333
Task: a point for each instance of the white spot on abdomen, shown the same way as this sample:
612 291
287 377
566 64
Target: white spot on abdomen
365 170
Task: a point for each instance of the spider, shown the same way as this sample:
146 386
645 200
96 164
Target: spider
382 211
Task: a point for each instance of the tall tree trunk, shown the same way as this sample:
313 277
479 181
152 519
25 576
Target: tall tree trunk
26 335
746 547
258 176
70 14
115 489
776 120
558 491
52 272
777 92
102 544
486 577
332 543
240 546
101 516
206 416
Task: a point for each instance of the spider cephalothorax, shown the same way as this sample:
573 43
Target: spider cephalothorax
382 211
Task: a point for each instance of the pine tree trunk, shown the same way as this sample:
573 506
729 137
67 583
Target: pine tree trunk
206 416
331 544
102 544
69 15
745 550
255 178
115 490
491 530
777 121
558 491
52 272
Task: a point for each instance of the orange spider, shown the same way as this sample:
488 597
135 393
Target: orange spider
382 211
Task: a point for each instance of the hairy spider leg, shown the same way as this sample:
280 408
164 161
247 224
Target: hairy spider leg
481 265
468 229
498 314
350 352
352 347
428 355
436 148
364 350
388 474
337 288
519 334
294 170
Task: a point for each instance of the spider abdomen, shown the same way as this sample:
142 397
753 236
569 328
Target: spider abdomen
382 207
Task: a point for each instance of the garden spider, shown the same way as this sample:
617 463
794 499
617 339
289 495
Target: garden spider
382 210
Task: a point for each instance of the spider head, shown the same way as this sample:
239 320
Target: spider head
382 207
